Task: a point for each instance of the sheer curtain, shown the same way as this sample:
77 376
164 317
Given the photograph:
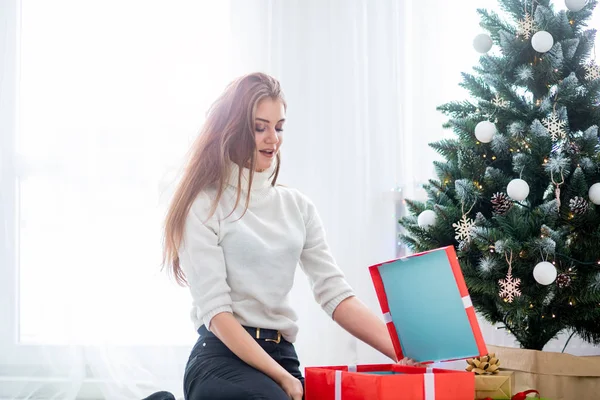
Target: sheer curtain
341 66
101 100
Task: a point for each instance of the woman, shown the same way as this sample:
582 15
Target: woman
235 237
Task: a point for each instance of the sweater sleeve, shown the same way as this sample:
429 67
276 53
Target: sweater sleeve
203 262
328 283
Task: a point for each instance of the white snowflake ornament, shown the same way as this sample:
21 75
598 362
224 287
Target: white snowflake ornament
464 229
509 287
592 71
526 26
499 101
525 73
555 126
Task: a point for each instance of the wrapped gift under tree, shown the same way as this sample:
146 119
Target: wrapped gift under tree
490 381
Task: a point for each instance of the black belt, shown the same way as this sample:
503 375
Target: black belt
268 335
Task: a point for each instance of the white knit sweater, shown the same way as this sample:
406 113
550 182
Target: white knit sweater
246 266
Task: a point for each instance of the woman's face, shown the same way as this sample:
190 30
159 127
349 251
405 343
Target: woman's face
268 130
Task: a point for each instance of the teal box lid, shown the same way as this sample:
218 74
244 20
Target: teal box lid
427 308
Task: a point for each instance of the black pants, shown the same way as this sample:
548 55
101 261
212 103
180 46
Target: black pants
213 372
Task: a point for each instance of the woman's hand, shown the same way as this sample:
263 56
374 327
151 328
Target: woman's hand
237 339
410 362
292 387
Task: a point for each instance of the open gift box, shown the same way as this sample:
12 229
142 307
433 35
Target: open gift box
430 318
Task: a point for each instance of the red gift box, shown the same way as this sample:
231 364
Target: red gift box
430 318
388 382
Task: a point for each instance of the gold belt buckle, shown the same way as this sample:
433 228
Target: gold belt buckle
277 341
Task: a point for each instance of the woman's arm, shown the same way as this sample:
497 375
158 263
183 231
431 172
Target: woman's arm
352 315
333 292
239 341
326 279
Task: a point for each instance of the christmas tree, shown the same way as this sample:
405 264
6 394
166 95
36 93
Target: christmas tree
518 191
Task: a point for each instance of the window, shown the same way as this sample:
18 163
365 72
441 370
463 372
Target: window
103 99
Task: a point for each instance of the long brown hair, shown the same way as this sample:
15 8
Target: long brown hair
227 136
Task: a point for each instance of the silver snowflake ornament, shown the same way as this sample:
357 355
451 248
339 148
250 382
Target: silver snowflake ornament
555 126
499 102
464 229
592 71
526 26
509 287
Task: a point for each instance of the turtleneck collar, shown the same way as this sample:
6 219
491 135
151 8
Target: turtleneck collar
260 180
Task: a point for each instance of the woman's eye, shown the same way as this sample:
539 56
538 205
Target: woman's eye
261 129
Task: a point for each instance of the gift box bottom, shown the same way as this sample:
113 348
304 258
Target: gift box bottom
387 382
498 387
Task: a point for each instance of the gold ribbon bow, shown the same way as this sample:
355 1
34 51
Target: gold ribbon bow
486 365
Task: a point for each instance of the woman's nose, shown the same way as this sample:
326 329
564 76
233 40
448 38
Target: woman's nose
273 136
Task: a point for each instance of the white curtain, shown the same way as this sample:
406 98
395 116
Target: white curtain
99 102
340 63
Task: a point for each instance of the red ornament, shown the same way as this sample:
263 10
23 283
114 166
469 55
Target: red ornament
521 395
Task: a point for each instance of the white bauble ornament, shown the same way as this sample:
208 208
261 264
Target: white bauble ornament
482 43
575 5
544 273
518 189
426 219
542 41
594 193
485 131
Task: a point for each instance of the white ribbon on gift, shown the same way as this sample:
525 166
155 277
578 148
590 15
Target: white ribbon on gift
387 317
338 385
467 302
429 377
429 384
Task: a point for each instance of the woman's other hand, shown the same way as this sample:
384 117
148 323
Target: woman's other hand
292 387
